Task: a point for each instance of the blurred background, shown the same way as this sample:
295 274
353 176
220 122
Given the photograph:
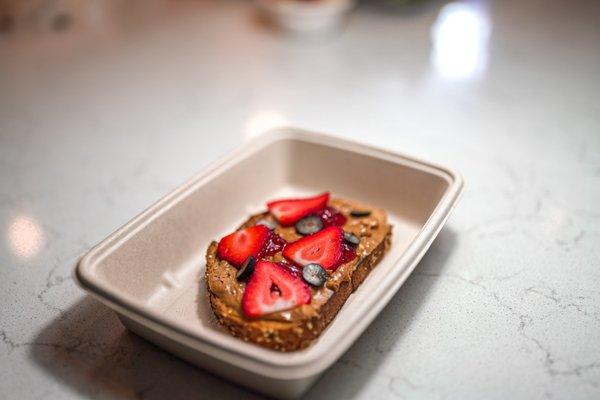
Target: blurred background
106 105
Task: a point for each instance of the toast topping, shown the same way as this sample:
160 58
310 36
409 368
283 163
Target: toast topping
309 225
246 269
274 244
348 252
289 211
331 217
324 248
273 288
351 238
256 241
268 223
314 274
360 213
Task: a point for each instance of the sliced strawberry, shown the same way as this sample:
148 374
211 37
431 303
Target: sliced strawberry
273 288
324 247
289 211
238 246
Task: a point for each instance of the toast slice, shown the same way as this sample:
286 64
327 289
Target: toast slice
296 328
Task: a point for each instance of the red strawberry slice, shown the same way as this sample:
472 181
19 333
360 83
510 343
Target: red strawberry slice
289 211
273 288
324 248
238 246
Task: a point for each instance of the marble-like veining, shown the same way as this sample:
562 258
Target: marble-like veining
102 115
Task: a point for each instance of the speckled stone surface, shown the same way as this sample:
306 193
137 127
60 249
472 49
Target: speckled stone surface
105 110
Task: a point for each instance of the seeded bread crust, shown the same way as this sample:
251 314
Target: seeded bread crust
293 335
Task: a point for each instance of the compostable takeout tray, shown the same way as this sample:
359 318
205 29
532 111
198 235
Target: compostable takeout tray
151 271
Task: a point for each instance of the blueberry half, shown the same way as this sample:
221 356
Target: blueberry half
360 213
314 274
309 225
268 223
351 238
246 269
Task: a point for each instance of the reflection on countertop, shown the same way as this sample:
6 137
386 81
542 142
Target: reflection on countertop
460 38
25 236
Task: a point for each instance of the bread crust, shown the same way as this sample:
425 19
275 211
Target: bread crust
288 336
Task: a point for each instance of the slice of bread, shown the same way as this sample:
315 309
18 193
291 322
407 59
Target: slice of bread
297 328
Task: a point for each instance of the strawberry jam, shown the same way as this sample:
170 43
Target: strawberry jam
274 244
331 217
294 269
348 253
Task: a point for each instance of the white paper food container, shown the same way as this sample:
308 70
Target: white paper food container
151 271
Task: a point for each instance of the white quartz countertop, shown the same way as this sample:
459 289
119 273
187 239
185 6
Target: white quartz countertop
105 106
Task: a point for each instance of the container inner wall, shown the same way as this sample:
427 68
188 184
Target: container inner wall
163 263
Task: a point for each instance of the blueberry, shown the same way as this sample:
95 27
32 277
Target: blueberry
309 225
360 213
268 223
246 269
351 238
314 274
